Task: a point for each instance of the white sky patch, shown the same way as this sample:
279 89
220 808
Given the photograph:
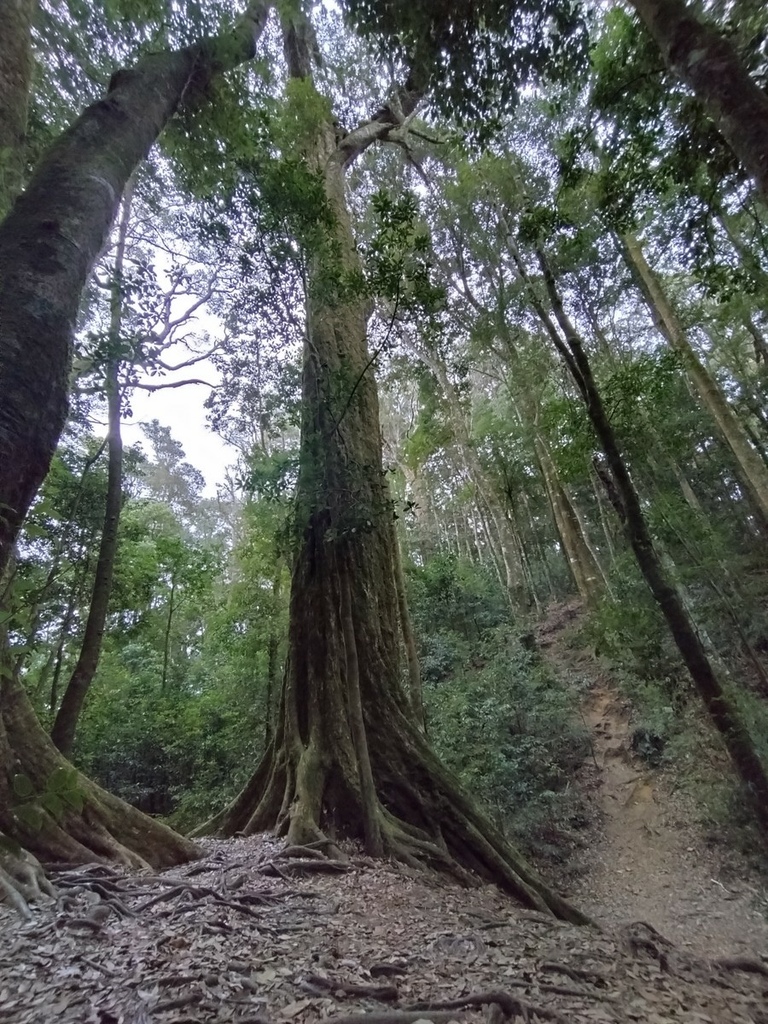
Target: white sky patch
183 410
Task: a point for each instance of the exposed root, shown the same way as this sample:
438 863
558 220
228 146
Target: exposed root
304 867
742 963
384 993
23 881
507 1007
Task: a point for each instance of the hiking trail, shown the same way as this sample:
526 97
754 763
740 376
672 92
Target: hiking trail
648 859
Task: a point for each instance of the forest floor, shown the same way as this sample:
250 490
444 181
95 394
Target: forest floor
250 936
647 858
253 934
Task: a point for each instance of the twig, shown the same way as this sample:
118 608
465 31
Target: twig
384 993
510 1006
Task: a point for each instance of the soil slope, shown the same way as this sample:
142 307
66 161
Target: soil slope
647 859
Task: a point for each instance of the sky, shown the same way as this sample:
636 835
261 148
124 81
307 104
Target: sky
183 410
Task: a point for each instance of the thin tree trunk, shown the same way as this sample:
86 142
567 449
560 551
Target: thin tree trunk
508 541
750 465
167 635
16 67
709 65
581 560
273 651
409 640
65 725
722 711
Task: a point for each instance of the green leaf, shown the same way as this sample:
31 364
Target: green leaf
22 787
29 815
53 804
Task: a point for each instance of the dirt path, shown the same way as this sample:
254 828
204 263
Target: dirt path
647 860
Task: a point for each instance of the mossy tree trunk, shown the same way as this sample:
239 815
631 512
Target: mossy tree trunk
348 757
93 825
49 242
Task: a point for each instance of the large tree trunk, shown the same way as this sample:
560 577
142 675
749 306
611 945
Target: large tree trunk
751 468
94 825
48 245
709 65
65 725
348 757
722 710
53 235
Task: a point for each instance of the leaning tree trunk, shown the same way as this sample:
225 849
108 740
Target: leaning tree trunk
48 245
348 757
723 712
53 235
65 724
708 64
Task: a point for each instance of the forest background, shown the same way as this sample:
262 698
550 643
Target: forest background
561 268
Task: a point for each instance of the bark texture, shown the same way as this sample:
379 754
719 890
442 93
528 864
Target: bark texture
16 67
53 235
348 757
709 65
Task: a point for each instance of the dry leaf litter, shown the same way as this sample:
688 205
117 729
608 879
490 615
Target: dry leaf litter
255 934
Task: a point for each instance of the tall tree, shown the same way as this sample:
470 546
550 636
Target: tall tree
468 52
48 245
347 756
63 731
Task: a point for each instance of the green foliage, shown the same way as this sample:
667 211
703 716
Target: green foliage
61 792
474 57
510 731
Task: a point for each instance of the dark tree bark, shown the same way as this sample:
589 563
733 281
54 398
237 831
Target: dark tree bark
348 757
16 65
53 235
723 713
708 64
48 245
65 724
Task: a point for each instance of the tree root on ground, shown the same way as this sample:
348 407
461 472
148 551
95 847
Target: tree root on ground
742 963
23 881
508 1007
